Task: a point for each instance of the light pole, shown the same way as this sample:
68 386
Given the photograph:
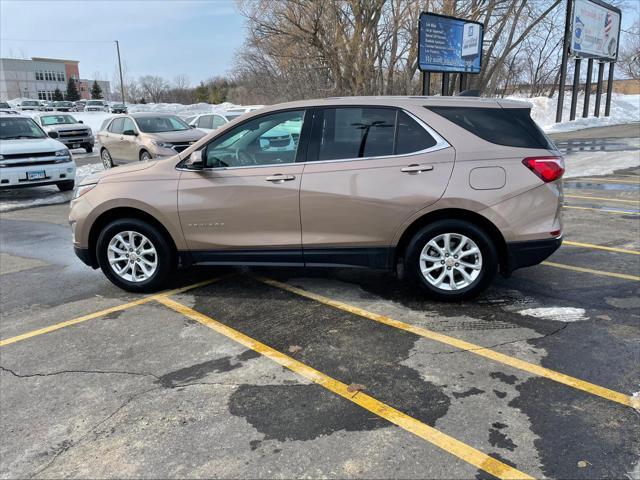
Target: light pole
120 68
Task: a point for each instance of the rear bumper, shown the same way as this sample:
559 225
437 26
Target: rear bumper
526 254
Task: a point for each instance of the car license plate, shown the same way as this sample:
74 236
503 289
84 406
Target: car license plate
75 145
36 175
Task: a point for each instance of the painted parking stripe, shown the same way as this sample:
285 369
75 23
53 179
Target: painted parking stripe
449 444
602 210
600 247
462 345
603 180
620 200
602 273
101 313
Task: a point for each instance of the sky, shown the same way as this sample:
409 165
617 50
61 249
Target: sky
197 38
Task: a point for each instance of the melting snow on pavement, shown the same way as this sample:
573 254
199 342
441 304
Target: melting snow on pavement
558 314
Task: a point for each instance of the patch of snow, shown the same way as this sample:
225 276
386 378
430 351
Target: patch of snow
581 164
558 314
624 109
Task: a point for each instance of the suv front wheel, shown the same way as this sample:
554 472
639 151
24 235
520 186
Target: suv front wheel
134 255
451 260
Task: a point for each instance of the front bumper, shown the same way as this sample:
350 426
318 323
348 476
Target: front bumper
13 177
528 253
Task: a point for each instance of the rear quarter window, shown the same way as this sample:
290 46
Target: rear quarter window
510 127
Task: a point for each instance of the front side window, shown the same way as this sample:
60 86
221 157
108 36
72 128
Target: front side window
57 120
17 128
117 125
266 140
217 121
355 132
204 121
128 128
161 124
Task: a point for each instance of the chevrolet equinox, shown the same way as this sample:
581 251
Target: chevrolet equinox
453 190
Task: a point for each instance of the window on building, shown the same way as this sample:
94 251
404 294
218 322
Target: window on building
38 75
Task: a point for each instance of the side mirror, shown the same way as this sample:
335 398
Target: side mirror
130 132
192 126
53 135
80 121
194 162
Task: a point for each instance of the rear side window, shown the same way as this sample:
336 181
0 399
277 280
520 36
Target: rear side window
511 127
205 121
356 132
410 136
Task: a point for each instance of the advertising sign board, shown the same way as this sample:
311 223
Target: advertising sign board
595 30
449 44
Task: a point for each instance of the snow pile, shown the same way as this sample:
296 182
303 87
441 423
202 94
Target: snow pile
583 164
624 109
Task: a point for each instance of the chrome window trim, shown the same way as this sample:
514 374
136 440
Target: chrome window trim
441 144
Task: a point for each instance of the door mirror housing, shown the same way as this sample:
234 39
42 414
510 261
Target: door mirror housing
130 133
194 162
53 134
80 121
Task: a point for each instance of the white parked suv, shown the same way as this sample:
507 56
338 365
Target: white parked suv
29 158
96 106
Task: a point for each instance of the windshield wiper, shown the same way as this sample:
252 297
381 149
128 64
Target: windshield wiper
17 137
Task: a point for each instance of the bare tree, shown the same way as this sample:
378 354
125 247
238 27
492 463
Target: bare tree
629 54
153 87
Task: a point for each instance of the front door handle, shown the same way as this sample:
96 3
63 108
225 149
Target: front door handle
280 178
414 169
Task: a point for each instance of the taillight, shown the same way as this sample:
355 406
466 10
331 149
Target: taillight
547 168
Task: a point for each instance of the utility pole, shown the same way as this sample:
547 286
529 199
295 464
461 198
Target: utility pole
120 68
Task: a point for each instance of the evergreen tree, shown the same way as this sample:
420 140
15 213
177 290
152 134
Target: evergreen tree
96 91
57 95
72 91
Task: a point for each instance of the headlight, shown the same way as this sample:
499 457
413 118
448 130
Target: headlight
63 153
162 144
82 189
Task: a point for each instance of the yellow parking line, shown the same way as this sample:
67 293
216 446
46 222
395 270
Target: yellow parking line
603 180
602 210
623 276
600 247
101 313
461 344
621 200
445 442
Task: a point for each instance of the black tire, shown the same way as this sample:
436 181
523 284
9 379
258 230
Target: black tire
489 264
66 186
89 148
107 161
145 156
165 255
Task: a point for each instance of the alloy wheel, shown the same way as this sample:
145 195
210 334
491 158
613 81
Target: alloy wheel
450 261
132 256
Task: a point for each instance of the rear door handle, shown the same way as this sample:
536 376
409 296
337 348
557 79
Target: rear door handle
280 178
414 169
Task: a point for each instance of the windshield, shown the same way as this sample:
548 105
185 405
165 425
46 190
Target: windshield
16 128
95 102
161 124
30 103
57 120
231 116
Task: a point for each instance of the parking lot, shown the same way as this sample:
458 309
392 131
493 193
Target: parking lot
282 373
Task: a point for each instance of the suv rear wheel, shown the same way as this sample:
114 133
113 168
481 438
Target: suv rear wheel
134 255
451 260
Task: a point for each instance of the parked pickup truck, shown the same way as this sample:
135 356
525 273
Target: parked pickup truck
73 133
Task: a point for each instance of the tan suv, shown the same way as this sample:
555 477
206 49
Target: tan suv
452 189
144 136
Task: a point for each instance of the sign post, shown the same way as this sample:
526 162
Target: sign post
587 89
448 45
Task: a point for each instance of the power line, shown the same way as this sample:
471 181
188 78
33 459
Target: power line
53 41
